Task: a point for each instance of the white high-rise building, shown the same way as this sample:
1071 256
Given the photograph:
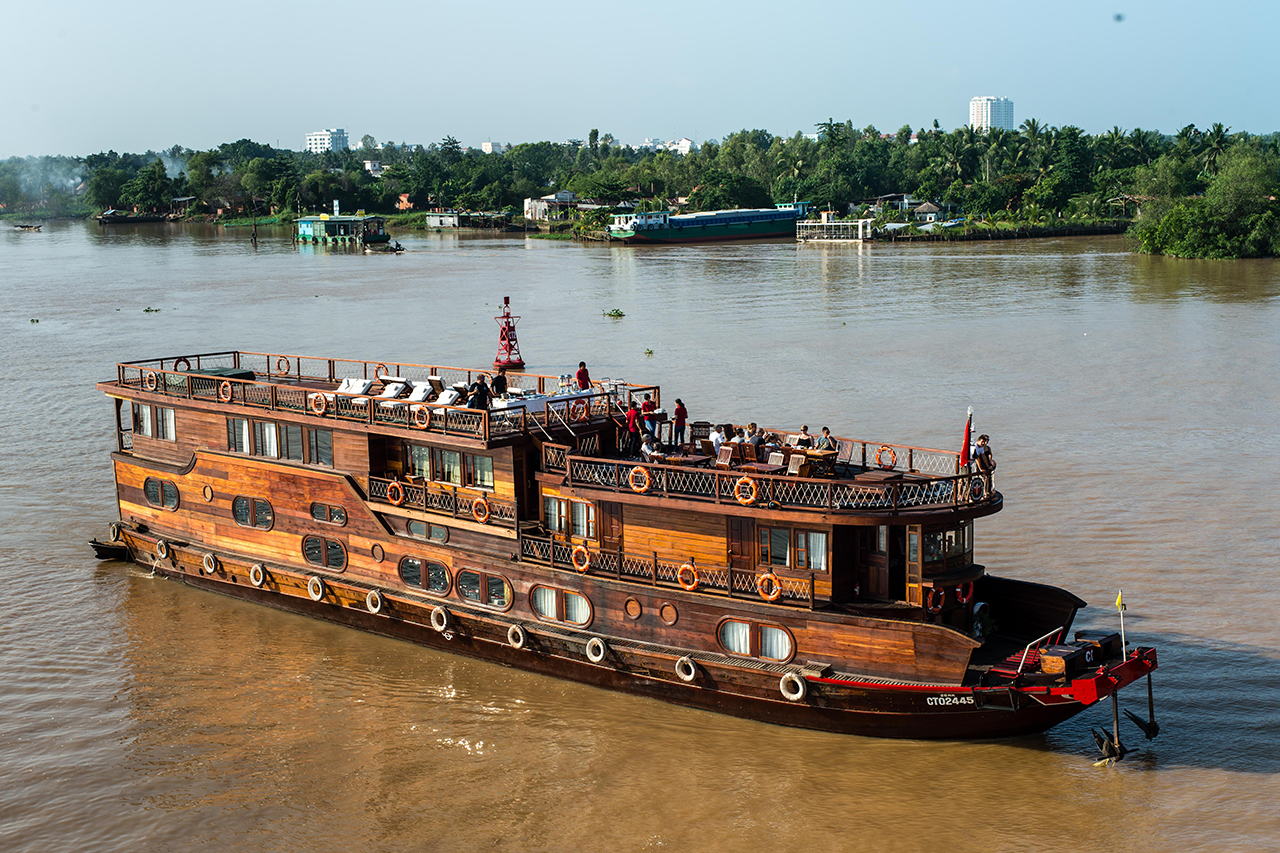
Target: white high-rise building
329 139
987 111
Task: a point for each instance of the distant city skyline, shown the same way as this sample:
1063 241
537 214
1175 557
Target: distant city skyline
1083 64
987 112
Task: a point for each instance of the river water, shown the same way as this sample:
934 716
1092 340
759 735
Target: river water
1132 405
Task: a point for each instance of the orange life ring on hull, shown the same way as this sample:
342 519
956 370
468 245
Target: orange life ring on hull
883 451
746 491
186 365
638 478
224 391
579 411
770 579
937 597
480 510
581 558
149 380
282 366
319 404
692 583
395 493
964 593
422 417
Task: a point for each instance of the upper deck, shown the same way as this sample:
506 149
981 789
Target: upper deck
575 429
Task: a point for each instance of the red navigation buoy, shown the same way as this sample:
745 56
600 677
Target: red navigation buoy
508 348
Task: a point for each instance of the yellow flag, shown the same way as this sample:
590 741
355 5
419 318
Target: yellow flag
1120 600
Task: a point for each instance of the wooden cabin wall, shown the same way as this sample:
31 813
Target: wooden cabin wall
675 535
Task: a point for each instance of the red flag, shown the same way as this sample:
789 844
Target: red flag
964 448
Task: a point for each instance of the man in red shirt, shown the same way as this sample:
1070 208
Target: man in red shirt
647 408
583 377
633 430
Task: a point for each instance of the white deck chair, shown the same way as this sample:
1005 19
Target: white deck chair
391 391
418 395
350 385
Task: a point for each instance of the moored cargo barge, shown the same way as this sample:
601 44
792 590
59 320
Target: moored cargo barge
839 594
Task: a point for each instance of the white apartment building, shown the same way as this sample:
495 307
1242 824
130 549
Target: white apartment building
329 139
987 111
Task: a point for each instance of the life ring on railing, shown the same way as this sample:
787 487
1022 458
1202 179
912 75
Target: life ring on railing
315 588
579 410
149 380
686 669
224 391
319 404
186 365
769 579
395 493
793 687
210 563
745 491
937 598
258 575
886 450
480 510
162 549
516 637
380 371
422 417
373 602
977 488
964 593
282 365
581 558
692 583
639 480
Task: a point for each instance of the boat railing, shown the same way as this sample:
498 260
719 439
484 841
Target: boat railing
651 569
445 499
1049 639
780 491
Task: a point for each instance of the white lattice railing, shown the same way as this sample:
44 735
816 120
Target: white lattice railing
445 500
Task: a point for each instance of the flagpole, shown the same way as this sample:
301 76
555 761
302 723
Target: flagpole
1124 646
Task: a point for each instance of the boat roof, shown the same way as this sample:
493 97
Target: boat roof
329 217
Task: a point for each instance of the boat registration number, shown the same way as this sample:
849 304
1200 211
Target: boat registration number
949 699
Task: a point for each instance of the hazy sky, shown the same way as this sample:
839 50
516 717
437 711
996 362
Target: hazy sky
82 77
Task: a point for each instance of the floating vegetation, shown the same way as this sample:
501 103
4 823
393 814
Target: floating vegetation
34 320
648 352
615 313
150 310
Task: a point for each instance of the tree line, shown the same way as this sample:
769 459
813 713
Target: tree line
1205 193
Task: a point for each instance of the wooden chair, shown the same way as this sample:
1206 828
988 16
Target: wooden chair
725 460
798 465
707 448
777 458
699 430
748 452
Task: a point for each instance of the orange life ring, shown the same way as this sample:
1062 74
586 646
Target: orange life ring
579 410
149 380
395 493
893 457
964 593
581 558
641 485
319 403
282 365
422 417
186 365
770 579
746 491
380 371
692 583
224 391
937 597
480 510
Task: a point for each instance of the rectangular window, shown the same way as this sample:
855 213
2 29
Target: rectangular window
479 471
164 423
141 419
320 447
775 546
291 442
556 512
811 550
420 461
882 539
238 435
265 441
446 466
584 519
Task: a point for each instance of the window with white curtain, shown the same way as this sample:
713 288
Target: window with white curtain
736 637
775 643
769 642
266 439
576 609
560 605
544 601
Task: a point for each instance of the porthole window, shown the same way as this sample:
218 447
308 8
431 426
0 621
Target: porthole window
560 605
327 553
485 589
252 512
425 574
426 530
329 514
161 493
750 639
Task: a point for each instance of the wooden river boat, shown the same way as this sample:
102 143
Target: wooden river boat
847 600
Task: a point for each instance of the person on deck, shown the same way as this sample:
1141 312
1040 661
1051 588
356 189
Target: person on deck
739 437
633 430
716 437
649 449
479 394
984 461
755 435
647 408
499 384
826 442
583 377
804 439
681 418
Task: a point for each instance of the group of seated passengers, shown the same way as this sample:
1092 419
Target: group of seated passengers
757 437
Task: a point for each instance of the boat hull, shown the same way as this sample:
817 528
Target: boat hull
871 707
711 233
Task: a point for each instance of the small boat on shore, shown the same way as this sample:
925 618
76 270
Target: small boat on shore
26 227
835 589
709 227
115 217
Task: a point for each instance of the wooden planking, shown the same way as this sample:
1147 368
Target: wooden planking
675 535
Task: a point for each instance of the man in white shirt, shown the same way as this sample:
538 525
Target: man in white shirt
716 437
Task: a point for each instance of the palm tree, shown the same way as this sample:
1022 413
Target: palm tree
1215 145
1143 145
1033 132
997 147
1111 147
953 156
